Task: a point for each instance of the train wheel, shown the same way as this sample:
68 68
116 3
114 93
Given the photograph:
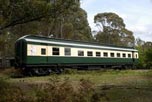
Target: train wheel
41 71
58 70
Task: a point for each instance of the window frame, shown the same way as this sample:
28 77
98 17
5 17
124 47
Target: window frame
129 55
67 51
112 54
118 55
80 53
124 55
98 54
90 53
105 53
57 52
43 51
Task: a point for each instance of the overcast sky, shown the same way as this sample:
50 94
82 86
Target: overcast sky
137 14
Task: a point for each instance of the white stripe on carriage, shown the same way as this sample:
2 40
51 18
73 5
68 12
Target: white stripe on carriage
80 45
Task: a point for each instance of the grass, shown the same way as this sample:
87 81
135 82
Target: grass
83 86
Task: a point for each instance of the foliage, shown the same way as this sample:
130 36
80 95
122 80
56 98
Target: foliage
141 63
112 30
64 92
145 53
55 91
57 18
6 44
10 93
84 86
23 11
52 18
148 58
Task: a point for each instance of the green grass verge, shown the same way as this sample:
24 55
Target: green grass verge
84 86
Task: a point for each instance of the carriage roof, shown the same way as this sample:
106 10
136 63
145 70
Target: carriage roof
63 42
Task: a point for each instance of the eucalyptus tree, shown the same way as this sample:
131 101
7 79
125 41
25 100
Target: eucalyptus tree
44 17
112 30
72 24
55 18
15 12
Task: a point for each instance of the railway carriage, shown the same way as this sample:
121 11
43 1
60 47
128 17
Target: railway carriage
41 55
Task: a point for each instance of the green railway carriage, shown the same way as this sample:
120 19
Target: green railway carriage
41 55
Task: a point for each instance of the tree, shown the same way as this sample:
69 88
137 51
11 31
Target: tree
55 18
82 30
145 53
139 42
72 25
139 46
112 30
33 16
148 58
14 12
44 17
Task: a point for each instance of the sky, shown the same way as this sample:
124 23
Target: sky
137 14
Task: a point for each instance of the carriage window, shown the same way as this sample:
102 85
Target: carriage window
129 55
105 54
98 54
89 53
124 55
80 53
43 51
136 56
112 54
55 51
67 51
118 54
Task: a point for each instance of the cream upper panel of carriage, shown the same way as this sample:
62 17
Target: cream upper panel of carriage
42 50
116 54
110 53
36 50
136 55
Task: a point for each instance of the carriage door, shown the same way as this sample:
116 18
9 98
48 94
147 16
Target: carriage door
133 56
44 54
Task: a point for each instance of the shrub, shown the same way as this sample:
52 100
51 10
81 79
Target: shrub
11 93
56 90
